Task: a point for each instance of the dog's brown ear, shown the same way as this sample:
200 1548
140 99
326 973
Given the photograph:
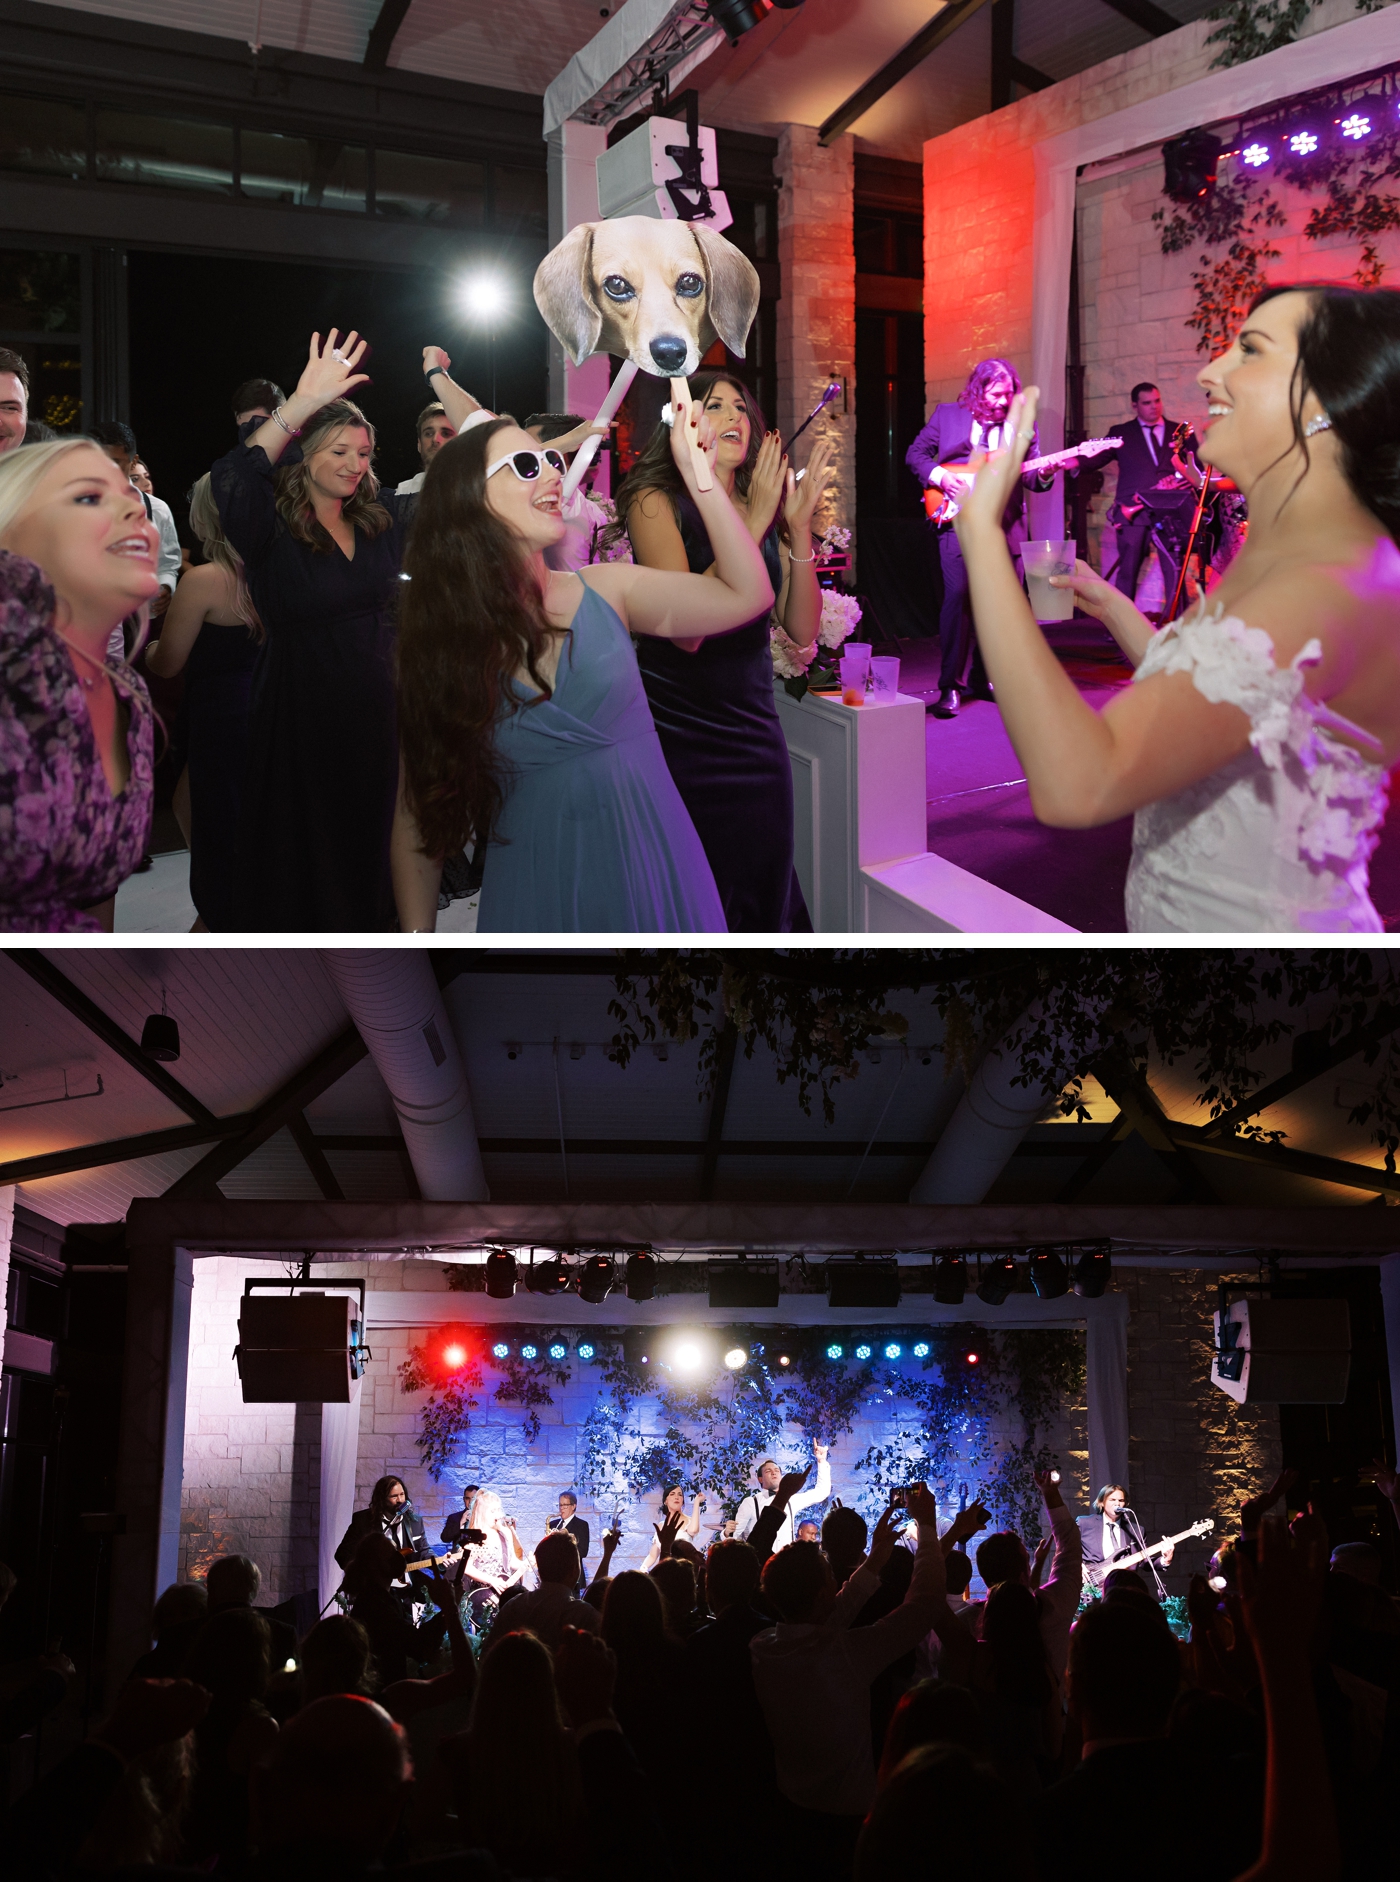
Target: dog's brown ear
733 288
564 294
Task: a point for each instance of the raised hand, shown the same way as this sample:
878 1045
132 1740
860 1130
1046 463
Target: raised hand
803 498
434 356
883 1541
1252 1511
1042 1551
668 1531
766 479
922 1505
1281 1594
1091 591
789 1485
995 475
693 440
967 1522
330 372
819 1450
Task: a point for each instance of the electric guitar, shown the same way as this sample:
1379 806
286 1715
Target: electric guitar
1096 1573
942 508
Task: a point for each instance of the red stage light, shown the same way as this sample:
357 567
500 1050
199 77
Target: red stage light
973 1358
454 1356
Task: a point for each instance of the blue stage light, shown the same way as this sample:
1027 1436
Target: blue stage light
1355 126
530 1352
501 1350
587 1351
835 1352
894 1350
921 1351
1255 154
863 1352
1303 142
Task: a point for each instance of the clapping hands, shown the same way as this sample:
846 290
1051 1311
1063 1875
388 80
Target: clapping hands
693 439
803 498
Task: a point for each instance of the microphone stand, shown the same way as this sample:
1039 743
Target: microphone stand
1141 1540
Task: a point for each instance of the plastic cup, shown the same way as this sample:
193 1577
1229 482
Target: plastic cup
884 677
855 671
858 650
1041 560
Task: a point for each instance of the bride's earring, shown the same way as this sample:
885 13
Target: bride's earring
1314 425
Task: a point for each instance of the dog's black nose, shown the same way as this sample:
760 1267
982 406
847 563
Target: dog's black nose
669 353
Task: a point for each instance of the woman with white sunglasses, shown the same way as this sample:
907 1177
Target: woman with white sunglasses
523 722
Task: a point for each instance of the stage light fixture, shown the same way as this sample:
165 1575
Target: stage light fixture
1191 162
454 1356
1355 126
160 1039
641 1276
734 18
1049 1275
687 1354
636 1346
558 1350
1255 154
596 1279
1092 1273
586 1351
484 296
736 1357
835 1351
784 1359
864 1281
501 1349
998 1280
1303 140
972 1356
500 1275
529 1350
863 1351
549 1277
894 1350
921 1350
950 1280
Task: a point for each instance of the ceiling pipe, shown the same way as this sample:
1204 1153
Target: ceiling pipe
392 995
981 1137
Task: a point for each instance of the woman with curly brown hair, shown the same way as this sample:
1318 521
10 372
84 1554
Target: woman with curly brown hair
301 505
524 723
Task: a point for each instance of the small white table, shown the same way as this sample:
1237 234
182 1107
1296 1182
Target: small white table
859 785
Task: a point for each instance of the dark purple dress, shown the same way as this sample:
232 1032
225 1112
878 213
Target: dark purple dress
317 800
724 746
65 842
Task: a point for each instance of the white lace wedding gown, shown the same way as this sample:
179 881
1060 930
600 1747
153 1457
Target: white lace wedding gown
1278 840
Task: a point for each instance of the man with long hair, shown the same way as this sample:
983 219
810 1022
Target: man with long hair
392 1515
973 422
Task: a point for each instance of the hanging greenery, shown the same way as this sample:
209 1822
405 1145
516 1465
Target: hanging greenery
1249 28
1059 1013
1236 217
951 1420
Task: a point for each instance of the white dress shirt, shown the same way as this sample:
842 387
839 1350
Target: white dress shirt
757 1501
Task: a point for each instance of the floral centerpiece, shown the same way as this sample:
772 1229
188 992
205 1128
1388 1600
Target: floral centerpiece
802 668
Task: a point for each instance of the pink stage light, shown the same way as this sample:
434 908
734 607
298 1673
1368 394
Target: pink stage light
1357 126
1255 155
1303 143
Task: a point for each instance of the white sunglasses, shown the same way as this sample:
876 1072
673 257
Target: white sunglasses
528 465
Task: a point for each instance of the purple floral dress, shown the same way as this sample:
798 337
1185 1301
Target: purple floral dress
65 842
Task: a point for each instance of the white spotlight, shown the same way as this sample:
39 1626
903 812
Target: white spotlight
484 296
736 1357
687 1357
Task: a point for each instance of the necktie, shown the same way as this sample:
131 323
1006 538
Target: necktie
1150 432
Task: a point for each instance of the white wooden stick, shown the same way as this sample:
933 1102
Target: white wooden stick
607 411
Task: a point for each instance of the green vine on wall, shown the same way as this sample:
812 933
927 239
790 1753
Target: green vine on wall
710 1435
1250 28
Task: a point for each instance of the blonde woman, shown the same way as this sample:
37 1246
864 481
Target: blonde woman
212 634
300 504
493 1565
77 558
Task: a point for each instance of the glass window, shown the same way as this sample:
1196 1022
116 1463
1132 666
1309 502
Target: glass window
167 153
314 173
519 199
41 291
428 189
45 136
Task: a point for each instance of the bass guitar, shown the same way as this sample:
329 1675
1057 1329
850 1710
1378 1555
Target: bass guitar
941 508
1096 1573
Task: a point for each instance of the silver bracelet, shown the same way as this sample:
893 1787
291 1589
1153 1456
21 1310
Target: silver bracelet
804 559
277 416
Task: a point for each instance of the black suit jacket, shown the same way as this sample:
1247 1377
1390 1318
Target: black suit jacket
1137 468
947 439
364 1523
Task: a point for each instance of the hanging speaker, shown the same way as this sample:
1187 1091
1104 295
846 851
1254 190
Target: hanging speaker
1283 1352
297 1349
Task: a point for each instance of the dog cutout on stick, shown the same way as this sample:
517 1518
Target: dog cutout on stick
656 293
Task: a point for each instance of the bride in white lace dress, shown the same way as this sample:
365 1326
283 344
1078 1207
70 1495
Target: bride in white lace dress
1255 741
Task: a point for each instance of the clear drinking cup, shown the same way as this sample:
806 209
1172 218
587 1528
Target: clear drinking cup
1041 560
884 677
859 649
855 672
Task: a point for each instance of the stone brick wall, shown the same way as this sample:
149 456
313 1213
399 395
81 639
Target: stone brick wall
1192 1451
817 313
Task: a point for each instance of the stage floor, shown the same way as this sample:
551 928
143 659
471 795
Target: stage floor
979 813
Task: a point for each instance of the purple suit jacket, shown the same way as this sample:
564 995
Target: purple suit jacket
947 439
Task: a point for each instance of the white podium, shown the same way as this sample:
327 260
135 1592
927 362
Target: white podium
859 786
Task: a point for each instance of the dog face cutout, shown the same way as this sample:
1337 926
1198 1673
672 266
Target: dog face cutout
657 293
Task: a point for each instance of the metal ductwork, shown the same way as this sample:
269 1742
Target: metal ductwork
392 995
980 1138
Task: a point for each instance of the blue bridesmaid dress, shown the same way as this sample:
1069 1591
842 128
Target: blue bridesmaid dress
593 837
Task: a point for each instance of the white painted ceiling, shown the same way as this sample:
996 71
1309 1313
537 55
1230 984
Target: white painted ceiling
794 67
250 1019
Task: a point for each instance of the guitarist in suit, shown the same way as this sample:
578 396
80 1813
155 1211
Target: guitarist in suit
973 422
390 1512
1106 1534
573 1525
1144 461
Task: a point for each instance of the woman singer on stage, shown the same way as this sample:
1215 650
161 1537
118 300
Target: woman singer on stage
1254 743
522 717
673 1504
712 700
493 1565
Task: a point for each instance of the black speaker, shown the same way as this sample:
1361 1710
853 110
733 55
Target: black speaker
743 1283
297 1348
1283 1352
862 1282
